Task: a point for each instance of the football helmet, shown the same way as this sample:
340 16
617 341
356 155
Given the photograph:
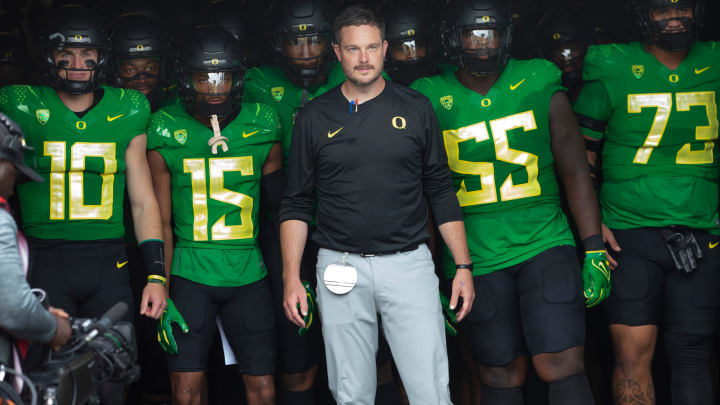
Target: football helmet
478 34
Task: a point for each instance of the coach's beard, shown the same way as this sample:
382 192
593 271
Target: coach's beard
368 83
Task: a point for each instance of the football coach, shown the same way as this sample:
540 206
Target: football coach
368 155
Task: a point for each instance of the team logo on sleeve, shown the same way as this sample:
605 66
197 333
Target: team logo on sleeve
446 102
638 71
42 115
181 136
277 93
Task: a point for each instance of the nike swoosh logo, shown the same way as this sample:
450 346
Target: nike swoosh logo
250 134
713 245
110 119
700 71
120 265
331 134
515 86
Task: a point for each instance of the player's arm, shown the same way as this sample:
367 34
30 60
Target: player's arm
568 149
593 110
274 180
146 219
161 180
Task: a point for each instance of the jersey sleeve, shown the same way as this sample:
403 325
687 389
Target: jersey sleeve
593 109
267 117
158 135
141 112
253 88
9 104
549 77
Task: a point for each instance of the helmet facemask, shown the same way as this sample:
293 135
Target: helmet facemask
212 92
306 57
61 72
568 57
409 59
673 26
482 50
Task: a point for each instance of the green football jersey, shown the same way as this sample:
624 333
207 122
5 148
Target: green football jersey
660 154
270 85
82 160
498 148
215 197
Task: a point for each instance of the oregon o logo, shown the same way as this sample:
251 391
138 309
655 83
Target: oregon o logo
673 1
485 19
78 37
674 78
399 122
486 102
139 47
411 32
302 27
556 36
214 61
81 125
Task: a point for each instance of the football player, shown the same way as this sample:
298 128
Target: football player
139 59
410 31
302 43
509 132
564 41
209 158
653 106
88 142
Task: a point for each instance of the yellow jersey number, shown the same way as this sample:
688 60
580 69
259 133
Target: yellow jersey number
216 191
57 152
663 102
480 133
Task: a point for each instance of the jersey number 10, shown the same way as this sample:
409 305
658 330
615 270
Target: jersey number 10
78 152
200 192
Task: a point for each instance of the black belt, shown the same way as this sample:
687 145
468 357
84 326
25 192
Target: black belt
403 250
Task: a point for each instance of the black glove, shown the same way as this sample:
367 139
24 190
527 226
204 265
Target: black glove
683 247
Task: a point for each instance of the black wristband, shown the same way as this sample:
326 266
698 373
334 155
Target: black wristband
594 242
464 266
152 252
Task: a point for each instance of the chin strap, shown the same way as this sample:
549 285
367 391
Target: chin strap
217 139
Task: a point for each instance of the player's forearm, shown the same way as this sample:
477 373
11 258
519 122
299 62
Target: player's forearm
169 247
293 235
146 218
453 233
583 203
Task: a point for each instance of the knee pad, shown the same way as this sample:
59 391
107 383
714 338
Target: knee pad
689 362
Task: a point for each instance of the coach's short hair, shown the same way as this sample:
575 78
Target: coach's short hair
355 15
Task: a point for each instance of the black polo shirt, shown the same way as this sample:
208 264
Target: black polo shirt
370 171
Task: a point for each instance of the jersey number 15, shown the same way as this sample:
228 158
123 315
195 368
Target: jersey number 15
216 191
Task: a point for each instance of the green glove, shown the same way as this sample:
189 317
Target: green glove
596 277
308 319
449 315
165 329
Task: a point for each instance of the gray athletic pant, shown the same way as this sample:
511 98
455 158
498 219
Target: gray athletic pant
403 289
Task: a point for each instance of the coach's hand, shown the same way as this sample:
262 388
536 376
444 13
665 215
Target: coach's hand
295 294
596 277
154 300
165 328
462 286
